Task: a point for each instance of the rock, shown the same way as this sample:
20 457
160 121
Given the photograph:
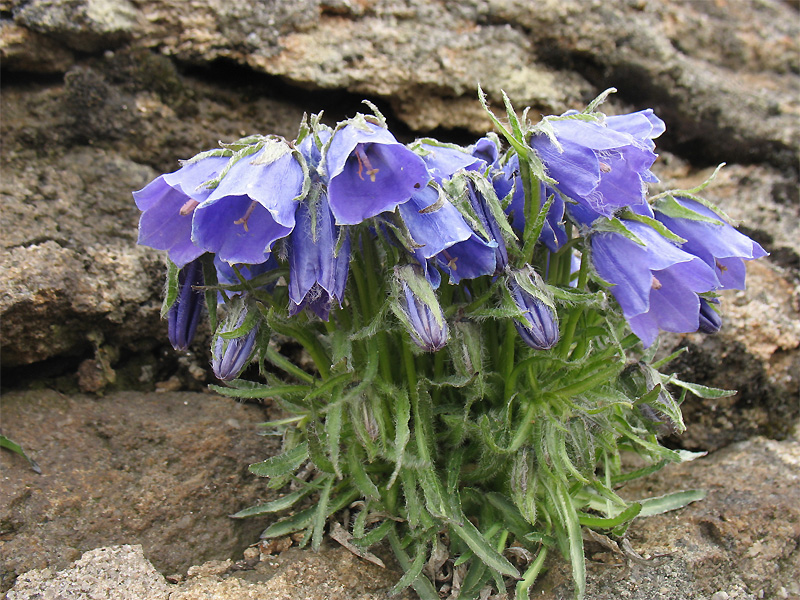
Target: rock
24 50
123 573
163 470
739 542
85 25
117 572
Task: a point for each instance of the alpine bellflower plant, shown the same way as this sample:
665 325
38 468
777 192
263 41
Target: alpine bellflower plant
479 323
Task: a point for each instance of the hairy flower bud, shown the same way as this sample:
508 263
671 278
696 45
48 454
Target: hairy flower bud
418 309
539 326
229 356
184 314
710 319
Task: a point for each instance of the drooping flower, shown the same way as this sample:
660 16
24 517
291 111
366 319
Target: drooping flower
167 204
538 326
418 309
721 246
368 172
603 165
230 356
508 181
317 272
253 206
484 206
656 284
184 314
443 160
441 233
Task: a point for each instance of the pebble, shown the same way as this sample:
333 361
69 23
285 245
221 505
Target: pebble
720 596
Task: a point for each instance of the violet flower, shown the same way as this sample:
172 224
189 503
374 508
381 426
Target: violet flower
184 314
443 160
657 285
317 273
602 165
480 207
253 206
419 310
508 180
229 357
442 234
368 172
168 203
721 246
538 327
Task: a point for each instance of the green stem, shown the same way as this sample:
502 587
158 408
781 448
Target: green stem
507 357
531 574
533 204
576 313
421 584
280 361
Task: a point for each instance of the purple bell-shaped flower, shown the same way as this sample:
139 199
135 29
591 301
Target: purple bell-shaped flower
368 171
253 206
317 272
168 203
722 247
603 165
656 284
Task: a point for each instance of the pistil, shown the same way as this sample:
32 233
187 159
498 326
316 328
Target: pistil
363 161
243 220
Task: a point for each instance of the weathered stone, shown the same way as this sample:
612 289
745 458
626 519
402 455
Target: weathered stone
85 25
163 470
24 50
118 573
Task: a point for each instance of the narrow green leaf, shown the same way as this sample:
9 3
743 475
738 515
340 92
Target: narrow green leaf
261 391
321 514
274 506
573 529
361 478
473 538
609 523
402 415
171 292
290 524
668 502
701 391
375 535
413 571
15 447
282 464
333 427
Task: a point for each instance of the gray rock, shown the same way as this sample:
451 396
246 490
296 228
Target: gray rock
85 25
114 573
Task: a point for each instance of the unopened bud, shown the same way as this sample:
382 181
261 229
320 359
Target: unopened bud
184 314
539 326
419 310
229 357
